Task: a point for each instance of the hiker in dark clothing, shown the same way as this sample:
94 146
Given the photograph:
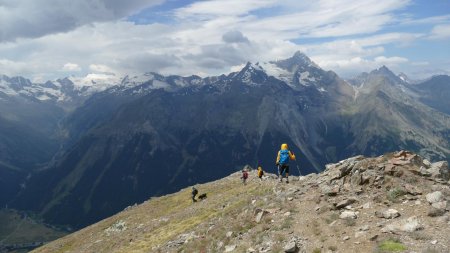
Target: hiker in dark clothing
284 155
244 176
194 193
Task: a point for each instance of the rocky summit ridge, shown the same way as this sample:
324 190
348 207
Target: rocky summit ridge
398 202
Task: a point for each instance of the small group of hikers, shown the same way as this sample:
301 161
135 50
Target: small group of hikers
282 163
194 194
244 177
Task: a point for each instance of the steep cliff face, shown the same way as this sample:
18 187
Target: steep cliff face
357 205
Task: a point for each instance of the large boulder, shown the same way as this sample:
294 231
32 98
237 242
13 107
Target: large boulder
440 170
345 203
387 214
290 247
435 197
349 215
406 225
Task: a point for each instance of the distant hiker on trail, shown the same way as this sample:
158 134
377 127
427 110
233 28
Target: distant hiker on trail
284 155
194 193
260 172
244 176
202 196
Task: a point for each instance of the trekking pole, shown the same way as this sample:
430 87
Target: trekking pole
299 172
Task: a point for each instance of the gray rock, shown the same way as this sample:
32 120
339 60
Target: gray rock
247 168
260 215
229 233
426 163
440 170
356 178
424 172
406 225
290 247
412 190
348 215
329 190
251 250
345 203
230 248
435 212
443 205
346 238
367 205
388 214
434 197
117 227
330 166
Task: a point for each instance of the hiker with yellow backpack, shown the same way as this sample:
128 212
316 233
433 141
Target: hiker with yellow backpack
283 157
260 172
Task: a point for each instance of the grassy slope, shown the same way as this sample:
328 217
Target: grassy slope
298 210
160 220
16 228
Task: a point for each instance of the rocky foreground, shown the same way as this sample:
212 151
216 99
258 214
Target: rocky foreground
392 203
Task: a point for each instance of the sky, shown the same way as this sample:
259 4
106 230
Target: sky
49 39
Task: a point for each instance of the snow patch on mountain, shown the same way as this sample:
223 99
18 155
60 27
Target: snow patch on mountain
6 89
306 79
133 81
95 82
277 72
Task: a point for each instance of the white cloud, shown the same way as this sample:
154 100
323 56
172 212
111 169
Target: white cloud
440 32
36 18
205 37
234 37
71 67
390 60
100 68
427 20
214 8
328 18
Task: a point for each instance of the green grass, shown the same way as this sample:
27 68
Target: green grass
15 228
394 194
391 245
181 222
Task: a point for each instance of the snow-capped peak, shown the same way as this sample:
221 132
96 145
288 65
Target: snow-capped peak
296 71
95 81
135 80
252 74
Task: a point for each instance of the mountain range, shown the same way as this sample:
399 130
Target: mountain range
75 153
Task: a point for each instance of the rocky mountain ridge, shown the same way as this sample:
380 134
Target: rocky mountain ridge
394 202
